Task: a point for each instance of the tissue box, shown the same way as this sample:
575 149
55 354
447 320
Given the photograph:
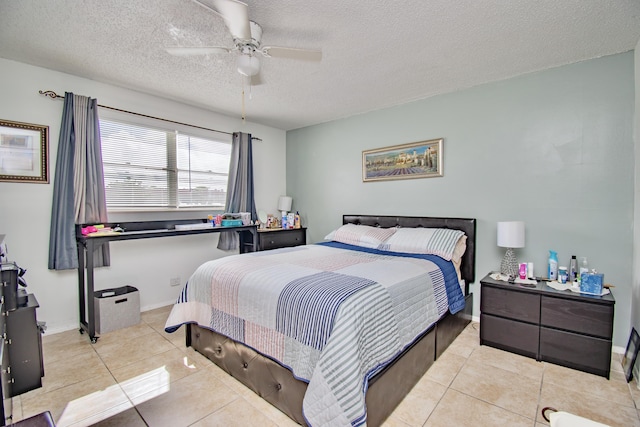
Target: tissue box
591 283
231 222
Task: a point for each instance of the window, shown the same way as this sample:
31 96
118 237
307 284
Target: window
150 167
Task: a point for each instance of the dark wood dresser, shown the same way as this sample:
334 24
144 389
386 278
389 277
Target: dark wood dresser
281 238
561 327
20 343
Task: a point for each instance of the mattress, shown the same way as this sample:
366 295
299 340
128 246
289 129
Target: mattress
333 314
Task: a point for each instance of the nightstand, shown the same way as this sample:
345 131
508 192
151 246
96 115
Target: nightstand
274 238
562 327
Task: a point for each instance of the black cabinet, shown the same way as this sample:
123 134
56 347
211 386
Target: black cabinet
281 238
6 408
20 342
24 346
561 327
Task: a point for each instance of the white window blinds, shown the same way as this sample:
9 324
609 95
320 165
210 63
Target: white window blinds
146 167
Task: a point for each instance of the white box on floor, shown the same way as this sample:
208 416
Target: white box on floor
116 308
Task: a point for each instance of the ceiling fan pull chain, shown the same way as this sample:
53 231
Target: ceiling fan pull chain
243 115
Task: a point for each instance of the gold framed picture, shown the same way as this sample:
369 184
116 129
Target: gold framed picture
24 152
421 159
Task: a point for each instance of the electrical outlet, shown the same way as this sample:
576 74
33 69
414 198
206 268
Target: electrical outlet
174 281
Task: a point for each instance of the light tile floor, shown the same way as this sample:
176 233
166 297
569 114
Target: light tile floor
142 376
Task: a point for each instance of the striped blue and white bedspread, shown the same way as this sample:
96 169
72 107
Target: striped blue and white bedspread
334 314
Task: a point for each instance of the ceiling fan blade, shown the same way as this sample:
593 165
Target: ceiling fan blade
192 51
292 53
236 16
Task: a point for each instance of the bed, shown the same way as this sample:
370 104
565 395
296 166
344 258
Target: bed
295 369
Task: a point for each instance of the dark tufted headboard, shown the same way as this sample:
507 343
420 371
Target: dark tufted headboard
468 225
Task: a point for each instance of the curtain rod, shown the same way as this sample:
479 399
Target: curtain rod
51 94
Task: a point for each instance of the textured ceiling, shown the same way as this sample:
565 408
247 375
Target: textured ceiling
376 54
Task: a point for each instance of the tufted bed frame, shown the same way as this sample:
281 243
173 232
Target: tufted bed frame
276 384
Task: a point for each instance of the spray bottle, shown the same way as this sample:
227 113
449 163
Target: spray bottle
553 265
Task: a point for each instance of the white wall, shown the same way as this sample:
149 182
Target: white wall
552 148
147 264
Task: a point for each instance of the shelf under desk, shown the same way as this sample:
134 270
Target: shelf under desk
133 231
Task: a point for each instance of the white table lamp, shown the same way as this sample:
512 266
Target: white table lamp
510 236
284 204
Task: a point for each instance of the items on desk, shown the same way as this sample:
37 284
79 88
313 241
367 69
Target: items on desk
99 230
552 271
195 226
511 279
522 270
591 283
563 274
573 269
584 266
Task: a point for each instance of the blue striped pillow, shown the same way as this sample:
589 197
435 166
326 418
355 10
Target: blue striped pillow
435 241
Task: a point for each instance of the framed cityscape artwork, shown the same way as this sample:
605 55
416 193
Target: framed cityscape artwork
421 159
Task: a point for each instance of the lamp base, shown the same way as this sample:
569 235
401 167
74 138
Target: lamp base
509 266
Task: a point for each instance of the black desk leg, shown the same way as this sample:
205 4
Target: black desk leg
81 294
85 296
91 320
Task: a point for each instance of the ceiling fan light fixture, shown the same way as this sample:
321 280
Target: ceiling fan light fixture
248 65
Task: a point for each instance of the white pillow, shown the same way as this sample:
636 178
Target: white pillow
361 235
444 242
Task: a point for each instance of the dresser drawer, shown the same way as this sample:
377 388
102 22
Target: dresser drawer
510 335
577 316
282 239
515 305
576 351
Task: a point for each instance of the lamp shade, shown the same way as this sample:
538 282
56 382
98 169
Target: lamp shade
511 234
284 203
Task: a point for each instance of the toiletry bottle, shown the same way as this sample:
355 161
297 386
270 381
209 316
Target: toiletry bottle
284 220
584 266
296 221
573 269
553 265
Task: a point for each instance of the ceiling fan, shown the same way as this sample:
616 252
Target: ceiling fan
247 39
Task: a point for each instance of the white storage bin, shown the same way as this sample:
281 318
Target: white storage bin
116 308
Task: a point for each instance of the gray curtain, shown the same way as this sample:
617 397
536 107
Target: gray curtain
78 192
240 196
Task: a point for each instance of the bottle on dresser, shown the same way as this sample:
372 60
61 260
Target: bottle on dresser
584 266
573 269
